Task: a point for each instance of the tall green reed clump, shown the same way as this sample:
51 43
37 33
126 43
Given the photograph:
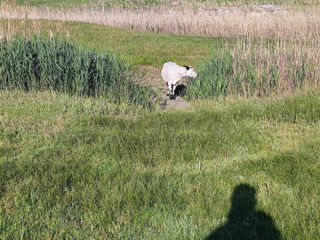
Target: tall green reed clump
58 65
257 68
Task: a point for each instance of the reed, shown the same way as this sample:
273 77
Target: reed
258 67
189 19
58 65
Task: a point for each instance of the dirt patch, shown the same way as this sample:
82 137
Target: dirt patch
175 104
152 77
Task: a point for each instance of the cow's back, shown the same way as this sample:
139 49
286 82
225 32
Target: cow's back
171 71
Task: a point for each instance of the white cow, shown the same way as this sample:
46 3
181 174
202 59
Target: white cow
172 73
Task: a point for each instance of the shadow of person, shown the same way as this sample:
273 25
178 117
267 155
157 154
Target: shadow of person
244 222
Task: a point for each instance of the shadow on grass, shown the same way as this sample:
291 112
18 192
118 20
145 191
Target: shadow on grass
244 222
180 90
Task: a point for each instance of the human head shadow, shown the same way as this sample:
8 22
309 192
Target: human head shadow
244 222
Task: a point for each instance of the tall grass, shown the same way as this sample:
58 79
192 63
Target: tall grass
155 3
188 19
258 68
58 65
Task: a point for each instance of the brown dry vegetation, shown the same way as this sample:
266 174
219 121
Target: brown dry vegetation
255 20
280 64
259 67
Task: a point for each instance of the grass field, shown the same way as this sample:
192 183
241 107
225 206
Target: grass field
227 168
136 47
239 66
83 169
144 48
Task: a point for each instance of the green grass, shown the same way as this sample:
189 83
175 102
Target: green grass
81 168
256 70
136 47
38 64
78 168
141 48
56 3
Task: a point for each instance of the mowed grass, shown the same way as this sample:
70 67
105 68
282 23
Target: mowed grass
135 47
141 48
78 168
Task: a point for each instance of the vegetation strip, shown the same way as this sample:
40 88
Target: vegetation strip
158 3
190 19
136 47
39 64
258 68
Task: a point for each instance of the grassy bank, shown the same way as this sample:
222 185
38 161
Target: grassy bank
144 48
136 47
250 67
79 168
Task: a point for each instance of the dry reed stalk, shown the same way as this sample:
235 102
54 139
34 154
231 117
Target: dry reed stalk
281 65
258 67
203 21
13 27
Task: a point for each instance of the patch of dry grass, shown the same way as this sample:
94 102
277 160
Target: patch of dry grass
255 20
258 67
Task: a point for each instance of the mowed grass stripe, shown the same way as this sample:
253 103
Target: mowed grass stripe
144 48
138 48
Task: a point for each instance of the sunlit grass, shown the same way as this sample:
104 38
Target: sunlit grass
135 47
38 64
75 167
257 68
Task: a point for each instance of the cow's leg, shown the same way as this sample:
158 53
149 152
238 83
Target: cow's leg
174 89
168 94
170 88
172 94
